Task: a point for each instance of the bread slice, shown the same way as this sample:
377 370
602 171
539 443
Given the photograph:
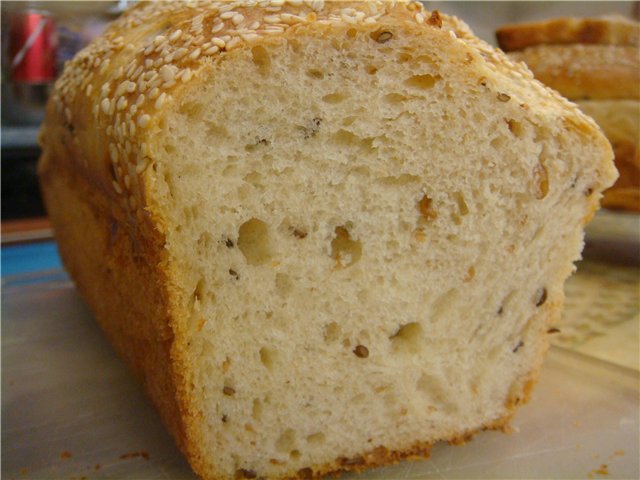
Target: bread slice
606 30
620 122
581 71
324 235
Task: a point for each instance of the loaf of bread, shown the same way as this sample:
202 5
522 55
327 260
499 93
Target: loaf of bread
323 235
596 63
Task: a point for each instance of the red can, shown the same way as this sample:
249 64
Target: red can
32 47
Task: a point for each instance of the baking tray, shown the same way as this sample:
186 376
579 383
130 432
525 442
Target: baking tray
71 410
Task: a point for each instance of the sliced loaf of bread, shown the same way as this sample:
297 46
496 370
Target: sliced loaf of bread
323 235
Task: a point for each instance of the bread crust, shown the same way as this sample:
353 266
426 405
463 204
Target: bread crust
585 71
613 30
97 175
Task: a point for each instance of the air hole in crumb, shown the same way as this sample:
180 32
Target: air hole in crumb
371 69
463 208
541 180
234 274
311 128
333 98
352 33
316 438
408 338
344 250
298 233
295 454
193 110
404 57
313 73
256 411
286 442
518 346
268 357
471 273
214 131
254 243
199 291
245 473
395 98
516 128
283 284
261 59
229 391
423 82
424 206
332 332
305 473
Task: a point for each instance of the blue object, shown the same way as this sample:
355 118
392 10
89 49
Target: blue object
29 258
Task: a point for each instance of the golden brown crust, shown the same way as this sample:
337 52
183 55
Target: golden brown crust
585 71
601 31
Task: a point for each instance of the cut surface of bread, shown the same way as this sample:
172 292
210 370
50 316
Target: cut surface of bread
607 30
328 246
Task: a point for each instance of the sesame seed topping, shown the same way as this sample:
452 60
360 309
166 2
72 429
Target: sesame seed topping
105 105
130 87
272 19
154 93
227 15
167 73
160 100
217 27
234 42
116 187
122 103
195 54
254 25
175 35
159 39
210 51
143 120
419 18
89 89
217 41
181 52
237 19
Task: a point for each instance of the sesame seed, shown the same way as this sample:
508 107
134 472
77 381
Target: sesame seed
169 84
227 15
130 87
133 109
277 3
220 43
419 18
209 51
167 73
179 53
272 19
149 50
159 39
143 120
133 202
132 128
122 103
186 75
117 187
195 54
175 35
105 105
140 100
217 27
89 89
234 42
168 58
154 93
160 100
141 166
249 37
104 90
237 19
254 26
